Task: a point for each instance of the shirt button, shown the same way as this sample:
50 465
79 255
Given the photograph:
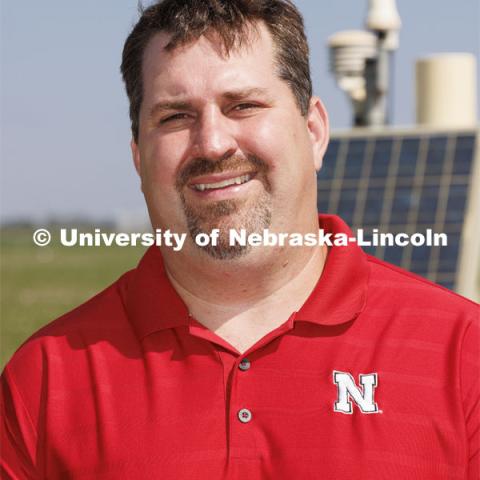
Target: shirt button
244 364
244 415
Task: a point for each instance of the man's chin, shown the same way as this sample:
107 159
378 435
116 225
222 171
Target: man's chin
221 215
224 217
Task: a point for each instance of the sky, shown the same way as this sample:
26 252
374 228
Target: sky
64 123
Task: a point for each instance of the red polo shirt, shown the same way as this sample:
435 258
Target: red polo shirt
375 377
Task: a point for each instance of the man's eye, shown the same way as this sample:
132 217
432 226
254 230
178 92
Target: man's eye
171 118
245 106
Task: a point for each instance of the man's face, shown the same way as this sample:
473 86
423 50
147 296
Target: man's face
222 142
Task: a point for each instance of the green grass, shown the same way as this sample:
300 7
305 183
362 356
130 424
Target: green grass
38 284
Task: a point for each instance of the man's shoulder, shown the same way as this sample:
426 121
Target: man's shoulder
101 317
402 290
97 313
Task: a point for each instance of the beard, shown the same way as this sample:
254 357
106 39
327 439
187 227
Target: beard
251 214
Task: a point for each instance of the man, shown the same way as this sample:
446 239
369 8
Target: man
237 362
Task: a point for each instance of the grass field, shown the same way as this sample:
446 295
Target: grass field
38 284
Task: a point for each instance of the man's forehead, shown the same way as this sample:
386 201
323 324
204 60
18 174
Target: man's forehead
201 68
256 39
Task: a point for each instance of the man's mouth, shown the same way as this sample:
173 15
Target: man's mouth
222 185
240 180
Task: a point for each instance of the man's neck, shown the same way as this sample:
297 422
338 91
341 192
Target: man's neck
244 302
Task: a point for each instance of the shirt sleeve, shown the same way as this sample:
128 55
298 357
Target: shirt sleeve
470 375
18 437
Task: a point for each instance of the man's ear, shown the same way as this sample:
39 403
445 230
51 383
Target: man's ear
136 159
318 129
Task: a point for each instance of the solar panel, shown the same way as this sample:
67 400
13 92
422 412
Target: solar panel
402 182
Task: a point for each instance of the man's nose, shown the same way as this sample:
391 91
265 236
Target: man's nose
214 137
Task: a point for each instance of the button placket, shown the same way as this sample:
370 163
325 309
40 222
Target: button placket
244 415
243 430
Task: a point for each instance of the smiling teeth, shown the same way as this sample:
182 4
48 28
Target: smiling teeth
225 183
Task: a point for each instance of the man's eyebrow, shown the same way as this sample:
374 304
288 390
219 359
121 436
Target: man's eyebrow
232 95
169 106
245 93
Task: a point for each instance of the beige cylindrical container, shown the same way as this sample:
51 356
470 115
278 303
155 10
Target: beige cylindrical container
446 90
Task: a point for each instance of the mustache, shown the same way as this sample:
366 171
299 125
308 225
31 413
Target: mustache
204 166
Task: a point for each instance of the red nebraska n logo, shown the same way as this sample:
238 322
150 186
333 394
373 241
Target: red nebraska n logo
347 390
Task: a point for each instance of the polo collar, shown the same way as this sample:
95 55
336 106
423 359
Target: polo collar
341 291
340 294
152 302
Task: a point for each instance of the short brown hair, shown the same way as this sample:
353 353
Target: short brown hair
187 20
